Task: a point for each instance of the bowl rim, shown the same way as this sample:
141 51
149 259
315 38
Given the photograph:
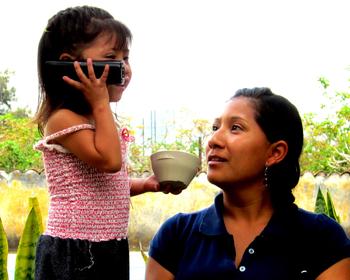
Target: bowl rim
174 151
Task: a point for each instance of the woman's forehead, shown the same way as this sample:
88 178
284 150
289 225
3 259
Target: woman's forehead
240 105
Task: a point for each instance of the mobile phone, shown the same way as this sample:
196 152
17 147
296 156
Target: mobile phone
60 68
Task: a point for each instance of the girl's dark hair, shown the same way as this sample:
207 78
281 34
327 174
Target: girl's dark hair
280 120
71 31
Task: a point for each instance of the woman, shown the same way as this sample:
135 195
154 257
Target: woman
253 230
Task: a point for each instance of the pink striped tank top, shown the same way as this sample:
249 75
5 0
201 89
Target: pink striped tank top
84 202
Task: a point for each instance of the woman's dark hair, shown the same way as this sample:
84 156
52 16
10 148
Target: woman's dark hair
71 31
280 120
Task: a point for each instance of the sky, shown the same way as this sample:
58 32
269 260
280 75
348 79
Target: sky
195 54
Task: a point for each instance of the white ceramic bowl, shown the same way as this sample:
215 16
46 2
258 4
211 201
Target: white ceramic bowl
175 167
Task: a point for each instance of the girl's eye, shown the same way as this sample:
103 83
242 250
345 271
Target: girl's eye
126 58
214 127
111 57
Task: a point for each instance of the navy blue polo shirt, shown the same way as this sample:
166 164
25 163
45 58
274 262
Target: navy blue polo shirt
296 244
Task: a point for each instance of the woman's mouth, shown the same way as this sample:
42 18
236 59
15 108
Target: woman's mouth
214 159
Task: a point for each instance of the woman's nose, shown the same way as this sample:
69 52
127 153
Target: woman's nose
215 140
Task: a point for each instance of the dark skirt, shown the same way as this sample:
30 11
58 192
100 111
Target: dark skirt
66 259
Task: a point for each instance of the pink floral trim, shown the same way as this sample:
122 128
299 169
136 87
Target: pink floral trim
126 135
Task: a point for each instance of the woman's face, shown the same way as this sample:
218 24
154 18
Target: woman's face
103 48
237 149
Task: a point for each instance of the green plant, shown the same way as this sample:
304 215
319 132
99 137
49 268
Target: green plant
25 258
325 205
17 137
327 146
7 93
143 253
3 253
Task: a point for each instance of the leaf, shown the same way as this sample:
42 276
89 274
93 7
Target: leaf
331 209
25 259
33 202
3 253
320 206
144 255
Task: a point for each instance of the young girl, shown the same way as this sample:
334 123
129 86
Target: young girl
85 151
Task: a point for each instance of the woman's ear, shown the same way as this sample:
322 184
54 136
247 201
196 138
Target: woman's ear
67 56
278 152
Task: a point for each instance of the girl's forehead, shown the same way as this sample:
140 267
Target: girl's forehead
113 40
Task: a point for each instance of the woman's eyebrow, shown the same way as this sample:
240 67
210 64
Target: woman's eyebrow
237 118
242 120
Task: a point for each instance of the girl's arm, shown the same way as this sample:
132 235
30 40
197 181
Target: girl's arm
99 148
142 185
339 271
154 271
149 184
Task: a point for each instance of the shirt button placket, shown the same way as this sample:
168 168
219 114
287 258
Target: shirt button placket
242 268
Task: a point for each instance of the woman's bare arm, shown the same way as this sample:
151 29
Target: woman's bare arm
338 271
154 271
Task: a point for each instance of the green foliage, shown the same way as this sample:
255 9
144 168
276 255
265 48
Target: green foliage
17 136
331 209
3 253
7 95
143 254
25 257
327 146
320 205
325 205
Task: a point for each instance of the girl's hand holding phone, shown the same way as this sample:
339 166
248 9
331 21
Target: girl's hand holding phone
94 89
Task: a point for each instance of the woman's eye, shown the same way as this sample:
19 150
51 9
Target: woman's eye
214 128
236 127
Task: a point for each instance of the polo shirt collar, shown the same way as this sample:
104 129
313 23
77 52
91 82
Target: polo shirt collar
212 222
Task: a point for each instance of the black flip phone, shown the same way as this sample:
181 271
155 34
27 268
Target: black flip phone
60 68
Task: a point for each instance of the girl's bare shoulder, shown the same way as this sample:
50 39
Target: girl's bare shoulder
62 119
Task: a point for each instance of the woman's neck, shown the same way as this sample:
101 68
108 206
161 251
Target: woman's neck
248 204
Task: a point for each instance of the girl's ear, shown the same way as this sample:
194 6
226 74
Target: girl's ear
278 151
67 56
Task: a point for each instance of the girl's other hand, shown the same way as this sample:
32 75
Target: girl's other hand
152 184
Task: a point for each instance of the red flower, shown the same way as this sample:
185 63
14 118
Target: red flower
126 135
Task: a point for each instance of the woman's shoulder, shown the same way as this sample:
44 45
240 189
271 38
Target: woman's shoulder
320 225
184 222
313 219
